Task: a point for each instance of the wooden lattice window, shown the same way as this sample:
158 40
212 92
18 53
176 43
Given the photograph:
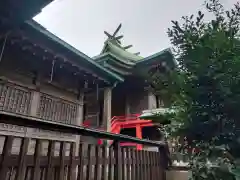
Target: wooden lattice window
56 109
15 99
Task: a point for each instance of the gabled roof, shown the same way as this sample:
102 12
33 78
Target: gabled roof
120 52
162 56
108 55
37 32
13 12
119 60
113 63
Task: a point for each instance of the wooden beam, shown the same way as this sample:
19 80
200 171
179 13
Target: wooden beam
33 48
44 48
36 64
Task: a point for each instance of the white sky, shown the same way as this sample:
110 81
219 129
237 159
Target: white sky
81 22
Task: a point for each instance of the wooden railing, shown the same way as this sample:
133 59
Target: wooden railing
92 162
18 99
56 109
34 160
15 99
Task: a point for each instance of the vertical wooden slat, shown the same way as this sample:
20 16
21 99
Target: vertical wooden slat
104 163
2 89
137 165
152 166
128 164
143 160
124 160
162 162
159 170
146 165
7 98
155 171
118 162
56 109
62 161
49 170
141 165
133 166
90 163
43 174
80 163
110 164
28 175
155 165
72 171
22 158
159 167
151 169
97 165
5 155
146 154
37 154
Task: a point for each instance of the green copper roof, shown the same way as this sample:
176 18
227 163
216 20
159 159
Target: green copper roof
117 59
119 71
114 57
79 57
120 52
162 56
115 64
156 55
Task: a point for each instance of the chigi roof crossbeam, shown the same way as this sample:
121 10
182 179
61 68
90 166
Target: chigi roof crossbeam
116 57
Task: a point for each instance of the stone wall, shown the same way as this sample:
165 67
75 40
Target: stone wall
178 175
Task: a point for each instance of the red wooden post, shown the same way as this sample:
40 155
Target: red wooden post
139 135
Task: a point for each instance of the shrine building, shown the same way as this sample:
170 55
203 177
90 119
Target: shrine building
43 77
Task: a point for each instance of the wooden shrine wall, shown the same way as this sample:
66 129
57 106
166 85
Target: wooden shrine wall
92 111
118 102
137 101
19 96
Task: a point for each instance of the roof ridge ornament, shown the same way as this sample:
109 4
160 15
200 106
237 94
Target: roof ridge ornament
113 36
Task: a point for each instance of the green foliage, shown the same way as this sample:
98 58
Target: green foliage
208 77
205 88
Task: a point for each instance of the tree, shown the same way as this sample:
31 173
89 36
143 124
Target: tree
205 88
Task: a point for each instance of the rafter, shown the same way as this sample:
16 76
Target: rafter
127 47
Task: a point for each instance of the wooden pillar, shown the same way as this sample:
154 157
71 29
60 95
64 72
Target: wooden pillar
34 103
152 103
139 135
79 120
118 168
127 105
107 109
